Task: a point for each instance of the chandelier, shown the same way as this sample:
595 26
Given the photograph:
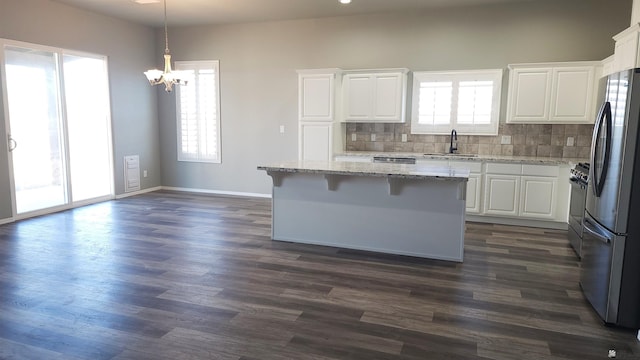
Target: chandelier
166 77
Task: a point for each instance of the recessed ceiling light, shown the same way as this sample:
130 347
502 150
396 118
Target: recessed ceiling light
144 2
345 1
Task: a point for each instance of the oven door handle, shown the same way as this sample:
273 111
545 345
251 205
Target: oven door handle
577 183
595 231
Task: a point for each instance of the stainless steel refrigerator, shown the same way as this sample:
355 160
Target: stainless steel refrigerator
610 267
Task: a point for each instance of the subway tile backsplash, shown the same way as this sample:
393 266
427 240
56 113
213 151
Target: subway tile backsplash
526 140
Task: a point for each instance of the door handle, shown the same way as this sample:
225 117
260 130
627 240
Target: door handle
12 143
591 229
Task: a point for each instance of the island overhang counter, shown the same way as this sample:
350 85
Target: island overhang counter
404 209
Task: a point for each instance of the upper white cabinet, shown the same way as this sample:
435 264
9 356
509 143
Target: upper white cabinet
546 93
529 94
374 95
316 94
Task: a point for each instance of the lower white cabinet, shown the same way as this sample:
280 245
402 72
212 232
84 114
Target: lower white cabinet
474 192
502 193
526 191
474 184
316 141
507 190
538 197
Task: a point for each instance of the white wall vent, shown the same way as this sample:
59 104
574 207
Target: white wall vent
131 173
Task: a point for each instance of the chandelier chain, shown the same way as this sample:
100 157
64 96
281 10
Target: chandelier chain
166 33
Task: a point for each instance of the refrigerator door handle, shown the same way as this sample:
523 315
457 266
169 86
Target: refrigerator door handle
604 119
595 231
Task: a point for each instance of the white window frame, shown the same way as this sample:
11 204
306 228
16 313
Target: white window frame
199 155
456 77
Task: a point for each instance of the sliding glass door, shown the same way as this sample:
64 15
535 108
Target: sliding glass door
36 131
88 124
58 128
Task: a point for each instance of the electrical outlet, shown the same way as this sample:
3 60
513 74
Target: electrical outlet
144 173
404 137
571 141
373 137
281 129
505 140
354 137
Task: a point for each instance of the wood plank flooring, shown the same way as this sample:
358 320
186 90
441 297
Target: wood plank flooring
170 275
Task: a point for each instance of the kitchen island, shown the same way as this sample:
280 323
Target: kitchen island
413 210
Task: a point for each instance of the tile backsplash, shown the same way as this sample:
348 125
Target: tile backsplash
526 140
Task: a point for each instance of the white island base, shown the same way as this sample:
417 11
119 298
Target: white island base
415 216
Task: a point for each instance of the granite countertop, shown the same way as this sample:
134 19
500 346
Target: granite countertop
469 157
402 171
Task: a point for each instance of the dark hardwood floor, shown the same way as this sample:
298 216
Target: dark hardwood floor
180 276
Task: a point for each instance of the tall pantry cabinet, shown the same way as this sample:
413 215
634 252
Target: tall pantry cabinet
318 129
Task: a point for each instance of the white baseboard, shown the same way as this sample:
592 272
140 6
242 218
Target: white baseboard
217 192
143 191
6 221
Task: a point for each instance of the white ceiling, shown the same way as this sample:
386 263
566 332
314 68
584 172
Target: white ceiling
200 12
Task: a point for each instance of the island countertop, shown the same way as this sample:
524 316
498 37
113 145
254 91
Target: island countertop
402 171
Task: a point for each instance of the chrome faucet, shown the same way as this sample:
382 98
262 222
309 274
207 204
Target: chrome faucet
453 146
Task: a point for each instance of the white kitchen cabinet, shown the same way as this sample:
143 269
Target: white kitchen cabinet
572 94
316 94
502 194
474 184
627 49
538 197
319 135
529 94
526 191
374 96
474 194
552 93
316 141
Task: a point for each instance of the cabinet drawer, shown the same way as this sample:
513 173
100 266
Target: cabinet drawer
502 168
540 170
473 166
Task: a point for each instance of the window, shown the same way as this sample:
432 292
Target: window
198 112
468 101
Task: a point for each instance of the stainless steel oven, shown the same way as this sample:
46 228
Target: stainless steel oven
578 181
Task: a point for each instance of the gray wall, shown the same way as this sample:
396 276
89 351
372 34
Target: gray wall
258 63
131 49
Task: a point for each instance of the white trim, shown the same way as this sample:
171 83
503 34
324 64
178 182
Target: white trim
455 77
139 192
7 220
217 192
186 66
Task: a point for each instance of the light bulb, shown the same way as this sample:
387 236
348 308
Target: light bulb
345 1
